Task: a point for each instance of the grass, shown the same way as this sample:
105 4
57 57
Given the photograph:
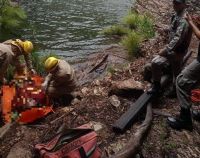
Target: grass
134 28
132 43
118 30
111 70
132 20
140 23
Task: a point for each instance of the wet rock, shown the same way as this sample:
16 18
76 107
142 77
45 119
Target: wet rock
127 88
114 100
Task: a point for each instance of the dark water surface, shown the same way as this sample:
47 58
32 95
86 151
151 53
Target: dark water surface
71 28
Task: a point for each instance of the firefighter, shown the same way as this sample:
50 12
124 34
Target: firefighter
172 54
60 81
185 82
10 51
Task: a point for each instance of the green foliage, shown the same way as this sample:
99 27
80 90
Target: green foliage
140 23
9 73
118 30
170 146
111 70
132 43
12 19
146 27
132 20
135 28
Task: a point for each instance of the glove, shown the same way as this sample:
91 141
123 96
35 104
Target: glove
44 86
33 72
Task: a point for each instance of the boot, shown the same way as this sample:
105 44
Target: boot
172 93
155 89
184 121
196 115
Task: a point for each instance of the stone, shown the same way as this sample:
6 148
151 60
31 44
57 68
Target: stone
85 90
67 109
75 101
127 88
114 101
97 126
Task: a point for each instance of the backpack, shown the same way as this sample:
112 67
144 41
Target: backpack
71 143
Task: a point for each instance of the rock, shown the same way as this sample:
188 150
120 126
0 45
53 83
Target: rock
96 92
85 90
97 82
114 101
99 91
97 126
75 101
67 109
127 88
19 152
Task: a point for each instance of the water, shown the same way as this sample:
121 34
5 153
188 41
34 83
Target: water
71 28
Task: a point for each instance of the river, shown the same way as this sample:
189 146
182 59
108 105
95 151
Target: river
70 28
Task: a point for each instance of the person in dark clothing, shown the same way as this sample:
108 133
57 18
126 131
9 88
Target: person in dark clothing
185 82
172 54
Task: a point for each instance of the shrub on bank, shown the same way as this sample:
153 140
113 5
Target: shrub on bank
140 23
118 30
135 29
132 43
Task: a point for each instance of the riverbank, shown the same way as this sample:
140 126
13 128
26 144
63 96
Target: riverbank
96 106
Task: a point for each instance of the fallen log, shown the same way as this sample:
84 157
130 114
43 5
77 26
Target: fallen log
97 65
127 119
136 140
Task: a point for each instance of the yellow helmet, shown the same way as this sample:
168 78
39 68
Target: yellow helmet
51 63
27 46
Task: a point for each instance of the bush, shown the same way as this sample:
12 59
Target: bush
132 43
146 27
140 23
131 20
118 30
12 19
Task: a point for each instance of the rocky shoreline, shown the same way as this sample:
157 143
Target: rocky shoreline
97 106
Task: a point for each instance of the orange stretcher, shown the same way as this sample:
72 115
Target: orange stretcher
15 99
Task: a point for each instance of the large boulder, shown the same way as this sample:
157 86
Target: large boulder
127 88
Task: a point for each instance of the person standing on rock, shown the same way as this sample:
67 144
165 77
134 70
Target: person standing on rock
61 80
10 52
172 54
185 82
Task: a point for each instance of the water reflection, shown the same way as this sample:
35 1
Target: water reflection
70 27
